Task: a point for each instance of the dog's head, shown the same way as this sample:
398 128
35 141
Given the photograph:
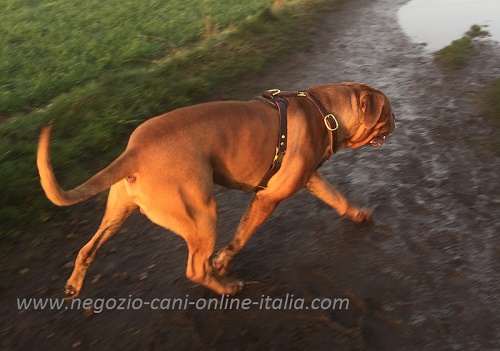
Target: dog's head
375 118
364 114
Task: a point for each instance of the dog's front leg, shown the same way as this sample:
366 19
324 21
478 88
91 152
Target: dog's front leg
324 191
259 210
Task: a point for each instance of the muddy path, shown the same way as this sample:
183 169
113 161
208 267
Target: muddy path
423 276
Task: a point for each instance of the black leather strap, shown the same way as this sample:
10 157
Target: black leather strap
277 99
329 119
281 104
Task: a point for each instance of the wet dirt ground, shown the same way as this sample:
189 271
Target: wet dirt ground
423 276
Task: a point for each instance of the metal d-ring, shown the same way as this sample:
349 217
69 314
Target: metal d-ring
327 124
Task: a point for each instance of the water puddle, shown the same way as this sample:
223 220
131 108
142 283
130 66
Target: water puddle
438 22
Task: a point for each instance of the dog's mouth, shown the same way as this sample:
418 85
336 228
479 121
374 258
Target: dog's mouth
377 140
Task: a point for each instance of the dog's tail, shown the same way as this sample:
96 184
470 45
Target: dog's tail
120 168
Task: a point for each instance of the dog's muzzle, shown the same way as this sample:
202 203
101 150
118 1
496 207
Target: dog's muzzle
379 140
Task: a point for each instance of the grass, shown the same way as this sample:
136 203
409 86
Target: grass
457 54
490 103
49 47
492 100
98 69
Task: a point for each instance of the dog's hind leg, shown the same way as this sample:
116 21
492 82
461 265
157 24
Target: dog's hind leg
201 247
201 243
259 210
118 208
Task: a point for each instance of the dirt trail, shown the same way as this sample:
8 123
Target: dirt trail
423 276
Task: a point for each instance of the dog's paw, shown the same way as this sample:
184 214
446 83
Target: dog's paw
360 215
70 292
221 264
234 287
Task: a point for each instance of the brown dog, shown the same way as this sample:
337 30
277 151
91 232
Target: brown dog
171 162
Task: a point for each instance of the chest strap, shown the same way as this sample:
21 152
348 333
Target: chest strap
280 103
277 99
329 119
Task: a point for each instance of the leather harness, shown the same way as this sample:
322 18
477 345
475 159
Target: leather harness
278 100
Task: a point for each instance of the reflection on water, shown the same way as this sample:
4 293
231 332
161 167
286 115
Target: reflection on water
438 22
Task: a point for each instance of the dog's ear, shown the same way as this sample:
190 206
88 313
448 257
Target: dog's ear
371 104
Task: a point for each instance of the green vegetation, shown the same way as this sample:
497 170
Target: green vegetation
49 47
457 54
475 31
490 101
98 69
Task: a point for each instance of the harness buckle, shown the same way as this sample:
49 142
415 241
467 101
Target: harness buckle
328 123
274 92
278 156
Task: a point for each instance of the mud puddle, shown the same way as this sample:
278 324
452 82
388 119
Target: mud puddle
438 23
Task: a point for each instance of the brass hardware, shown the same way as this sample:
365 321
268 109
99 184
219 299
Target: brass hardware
279 155
274 92
327 123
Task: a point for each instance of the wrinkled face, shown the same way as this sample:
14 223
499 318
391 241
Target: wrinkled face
386 128
376 120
